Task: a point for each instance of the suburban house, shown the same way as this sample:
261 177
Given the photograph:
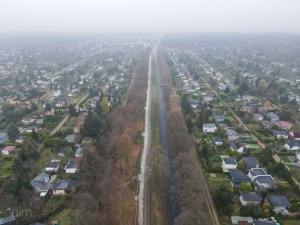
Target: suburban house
279 203
238 146
264 182
247 198
247 108
39 121
209 128
250 162
30 129
228 163
279 134
258 117
70 138
73 165
63 187
53 166
41 184
224 126
284 125
266 124
3 138
260 222
273 117
241 220
56 93
8 150
79 152
28 120
237 176
217 140
256 172
263 110
21 140
207 99
219 118
293 146
60 104
295 135
232 135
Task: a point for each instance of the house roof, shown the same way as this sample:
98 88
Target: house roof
231 133
272 115
223 125
278 201
250 196
257 222
2 135
257 171
293 144
9 148
236 173
243 223
265 179
63 184
229 161
209 125
217 139
70 137
250 161
279 132
233 146
296 133
52 165
284 123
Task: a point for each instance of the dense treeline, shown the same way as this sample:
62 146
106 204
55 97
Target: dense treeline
105 194
189 183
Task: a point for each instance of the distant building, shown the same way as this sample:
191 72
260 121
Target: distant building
3 138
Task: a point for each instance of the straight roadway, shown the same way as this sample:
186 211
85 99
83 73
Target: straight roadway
172 206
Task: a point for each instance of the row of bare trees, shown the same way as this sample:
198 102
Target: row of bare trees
108 168
193 209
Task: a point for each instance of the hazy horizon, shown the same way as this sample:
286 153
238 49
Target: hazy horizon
142 16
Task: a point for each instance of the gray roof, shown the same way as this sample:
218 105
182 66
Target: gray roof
250 161
63 184
257 222
209 125
8 221
236 173
52 164
217 139
250 196
279 132
233 146
223 125
229 161
293 144
272 115
231 133
278 201
237 177
70 137
257 171
266 179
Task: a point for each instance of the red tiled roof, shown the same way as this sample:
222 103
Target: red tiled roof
284 124
9 148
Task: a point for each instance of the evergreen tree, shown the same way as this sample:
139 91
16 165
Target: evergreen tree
12 132
72 110
48 107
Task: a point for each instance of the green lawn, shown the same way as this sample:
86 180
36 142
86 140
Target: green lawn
64 218
295 172
284 158
5 168
291 222
229 118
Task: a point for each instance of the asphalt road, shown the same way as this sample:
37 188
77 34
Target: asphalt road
172 206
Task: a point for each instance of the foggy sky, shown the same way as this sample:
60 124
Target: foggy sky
126 16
